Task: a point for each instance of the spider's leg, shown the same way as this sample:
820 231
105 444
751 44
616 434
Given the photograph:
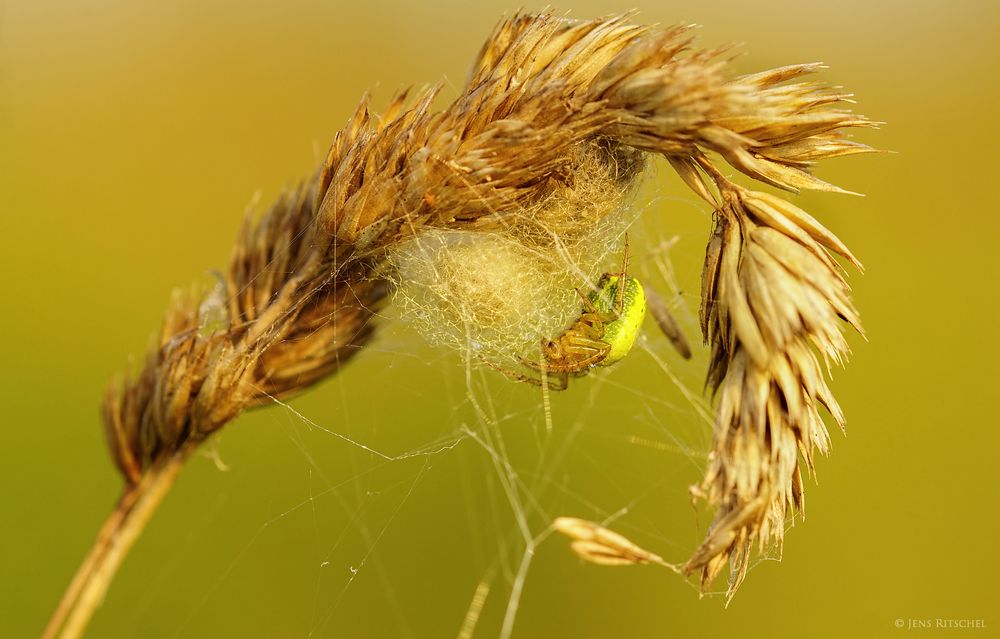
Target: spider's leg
587 346
590 325
563 382
579 363
539 367
588 356
588 306
622 277
557 381
520 377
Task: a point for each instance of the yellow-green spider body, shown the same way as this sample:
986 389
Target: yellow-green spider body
603 334
620 333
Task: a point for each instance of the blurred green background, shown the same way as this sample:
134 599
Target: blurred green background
134 134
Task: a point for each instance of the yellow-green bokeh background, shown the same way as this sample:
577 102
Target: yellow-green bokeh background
132 136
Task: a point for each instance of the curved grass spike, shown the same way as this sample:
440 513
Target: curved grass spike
299 296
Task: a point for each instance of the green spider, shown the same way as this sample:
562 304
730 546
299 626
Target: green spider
604 333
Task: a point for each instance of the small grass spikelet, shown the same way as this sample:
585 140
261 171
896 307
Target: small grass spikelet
596 544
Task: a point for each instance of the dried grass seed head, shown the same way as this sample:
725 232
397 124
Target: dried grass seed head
302 288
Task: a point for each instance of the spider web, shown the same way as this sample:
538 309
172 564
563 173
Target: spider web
430 482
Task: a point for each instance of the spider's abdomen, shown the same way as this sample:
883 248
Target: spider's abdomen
620 334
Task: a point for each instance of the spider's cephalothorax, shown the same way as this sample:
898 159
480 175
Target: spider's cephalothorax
603 334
